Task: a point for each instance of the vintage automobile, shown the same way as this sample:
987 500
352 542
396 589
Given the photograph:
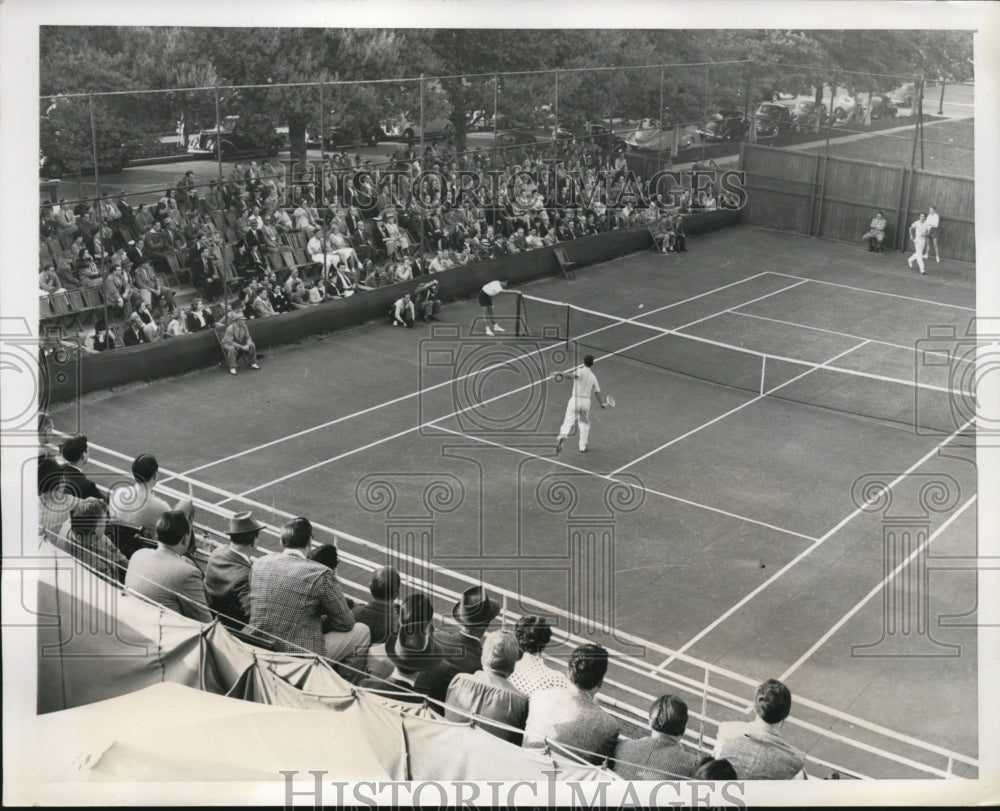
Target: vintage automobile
903 96
406 127
232 144
724 125
806 114
882 107
652 137
773 119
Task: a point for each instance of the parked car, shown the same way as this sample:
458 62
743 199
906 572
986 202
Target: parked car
903 96
510 138
846 107
882 107
806 113
407 128
773 119
609 140
232 144
781 95
651 136
724 125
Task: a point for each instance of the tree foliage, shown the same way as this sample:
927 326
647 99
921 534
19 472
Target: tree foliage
84 59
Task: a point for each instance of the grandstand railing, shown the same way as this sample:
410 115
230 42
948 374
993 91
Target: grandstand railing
714 694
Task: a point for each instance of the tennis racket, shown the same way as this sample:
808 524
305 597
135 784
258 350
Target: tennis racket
609 401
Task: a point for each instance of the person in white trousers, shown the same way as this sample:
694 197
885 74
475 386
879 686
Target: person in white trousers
918 233
933 221
486 295
578 408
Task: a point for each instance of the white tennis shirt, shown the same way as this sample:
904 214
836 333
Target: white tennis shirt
493 288
585 384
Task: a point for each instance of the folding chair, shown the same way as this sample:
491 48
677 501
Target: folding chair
60 303
565 265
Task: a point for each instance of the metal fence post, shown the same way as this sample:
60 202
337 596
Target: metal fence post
218 137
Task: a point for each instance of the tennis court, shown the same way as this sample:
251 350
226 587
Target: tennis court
762 382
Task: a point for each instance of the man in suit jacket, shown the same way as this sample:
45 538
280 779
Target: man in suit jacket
227 573
75 452
166 575
290 595
660 756
474 612
755 748
570 716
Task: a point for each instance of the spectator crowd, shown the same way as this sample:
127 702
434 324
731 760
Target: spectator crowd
262 243
391 645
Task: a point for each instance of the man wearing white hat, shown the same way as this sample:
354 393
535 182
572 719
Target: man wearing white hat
227 573
237 343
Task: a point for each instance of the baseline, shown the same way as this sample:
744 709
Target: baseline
873 292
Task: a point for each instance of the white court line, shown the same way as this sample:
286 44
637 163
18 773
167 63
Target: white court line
885 581
610 478
910 348
657 333
805 553
875 292
417 393
270 508
723 312
741 406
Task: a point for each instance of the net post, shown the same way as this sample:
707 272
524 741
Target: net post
567 326
518 315
763 367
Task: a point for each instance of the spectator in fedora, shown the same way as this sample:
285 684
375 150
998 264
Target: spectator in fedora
756 748
291 595
661 755
237 343
381 613
137 505
227 573
424 670
166 575
474 612
570 715
531 674
414 652
75 452
488 693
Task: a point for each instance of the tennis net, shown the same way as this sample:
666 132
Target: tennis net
931 408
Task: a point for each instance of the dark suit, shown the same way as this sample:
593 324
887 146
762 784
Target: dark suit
194 325
76 483
227 584
463 653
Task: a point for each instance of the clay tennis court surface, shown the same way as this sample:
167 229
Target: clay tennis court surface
718 522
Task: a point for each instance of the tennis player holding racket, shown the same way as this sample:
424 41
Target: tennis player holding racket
578 408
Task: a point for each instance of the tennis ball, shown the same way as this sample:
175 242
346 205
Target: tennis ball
641 306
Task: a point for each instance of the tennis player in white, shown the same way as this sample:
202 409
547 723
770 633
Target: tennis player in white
578 408
486 294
